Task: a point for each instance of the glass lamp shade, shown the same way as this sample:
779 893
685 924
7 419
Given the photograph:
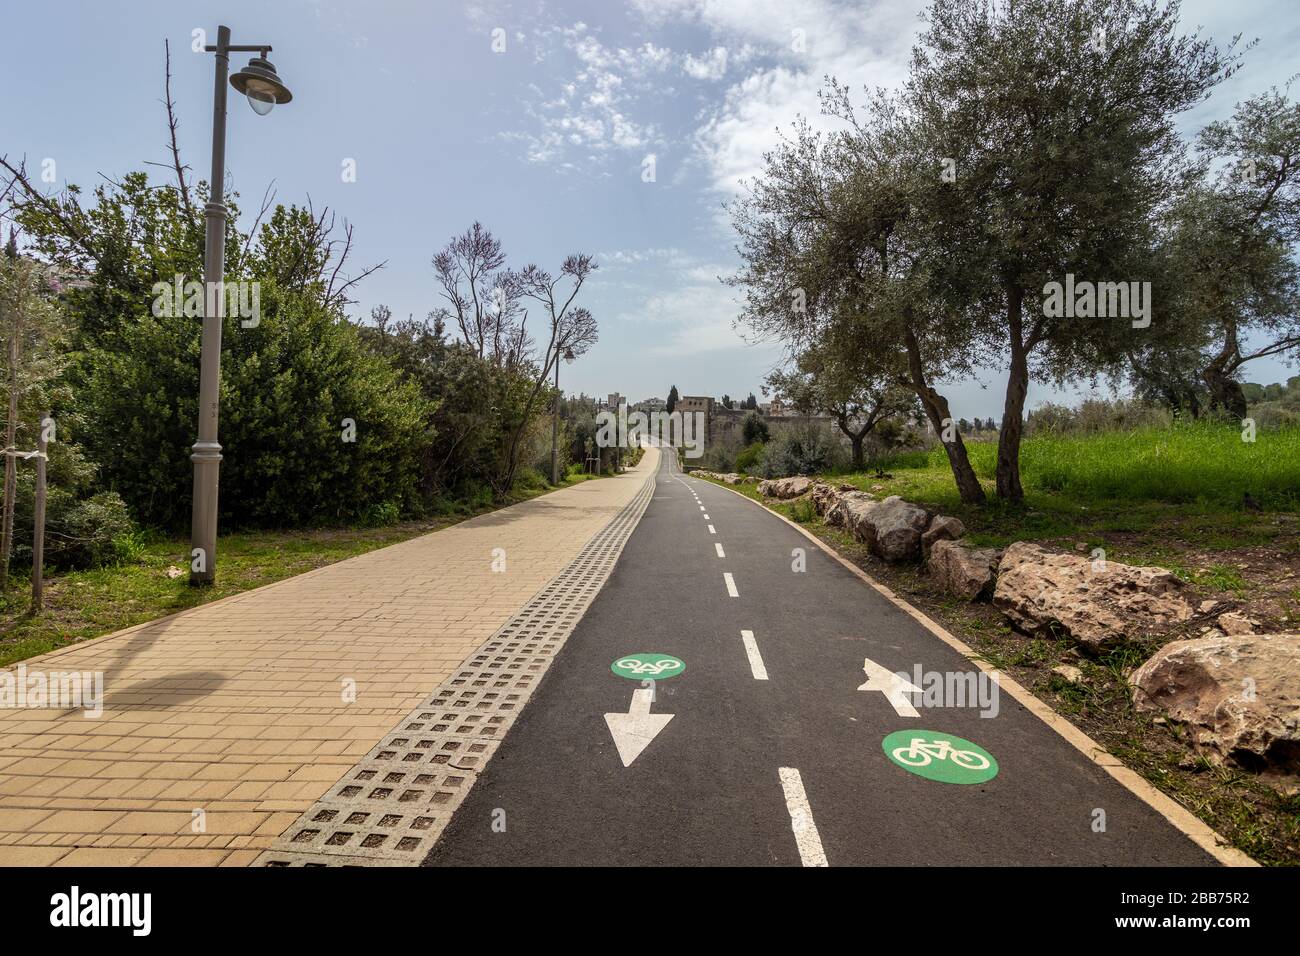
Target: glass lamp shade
262 85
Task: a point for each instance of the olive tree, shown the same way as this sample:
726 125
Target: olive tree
1057 121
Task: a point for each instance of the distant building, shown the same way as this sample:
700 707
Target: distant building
615 400
690 404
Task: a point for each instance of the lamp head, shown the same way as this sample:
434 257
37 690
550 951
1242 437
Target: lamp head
261 84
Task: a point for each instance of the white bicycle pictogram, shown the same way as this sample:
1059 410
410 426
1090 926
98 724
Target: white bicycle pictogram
654 668
921 752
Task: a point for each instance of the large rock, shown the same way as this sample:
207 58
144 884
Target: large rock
965 572
785 487
1234 622
1097 603
942 528
849 510
893 528
1238 695
824 497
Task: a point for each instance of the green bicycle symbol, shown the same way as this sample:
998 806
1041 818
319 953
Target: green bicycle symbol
939 756
648 666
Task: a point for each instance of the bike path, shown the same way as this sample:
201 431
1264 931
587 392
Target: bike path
713 786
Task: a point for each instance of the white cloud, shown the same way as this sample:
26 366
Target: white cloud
592 109
710 66
863 45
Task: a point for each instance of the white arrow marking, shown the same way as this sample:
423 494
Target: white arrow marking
634 730
894 687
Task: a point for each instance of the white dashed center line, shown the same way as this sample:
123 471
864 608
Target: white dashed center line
711 531
801 819
755 658
731 584
718 547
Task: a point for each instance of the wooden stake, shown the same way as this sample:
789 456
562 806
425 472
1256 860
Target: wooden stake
38 531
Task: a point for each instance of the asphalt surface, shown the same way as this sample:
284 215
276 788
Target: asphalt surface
708 789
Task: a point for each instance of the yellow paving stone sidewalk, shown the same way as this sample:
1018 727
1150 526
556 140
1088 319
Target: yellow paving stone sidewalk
223 723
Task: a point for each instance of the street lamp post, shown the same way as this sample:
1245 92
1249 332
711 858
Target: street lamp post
555 419
263 87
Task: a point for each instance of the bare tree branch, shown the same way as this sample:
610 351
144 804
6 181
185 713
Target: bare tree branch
182 186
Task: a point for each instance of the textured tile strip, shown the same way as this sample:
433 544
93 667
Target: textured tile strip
390 808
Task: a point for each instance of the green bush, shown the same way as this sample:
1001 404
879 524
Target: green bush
802 450
295 388
80 534
802 511
748 458
382 514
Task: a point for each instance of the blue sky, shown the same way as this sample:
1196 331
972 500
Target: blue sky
543 142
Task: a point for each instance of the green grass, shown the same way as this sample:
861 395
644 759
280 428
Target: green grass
1141 484
86 604
1199 462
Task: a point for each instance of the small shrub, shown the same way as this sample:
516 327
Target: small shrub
83 534
802 450
382 514
748 459
129 548
529 479
802 511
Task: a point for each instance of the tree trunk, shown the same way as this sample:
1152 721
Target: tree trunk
936 409
1013 409
1225 391
11 463
38 521
855 438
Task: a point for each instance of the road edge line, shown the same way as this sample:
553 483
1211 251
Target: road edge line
1182 819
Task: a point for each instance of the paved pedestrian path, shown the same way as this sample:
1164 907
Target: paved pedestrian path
223 724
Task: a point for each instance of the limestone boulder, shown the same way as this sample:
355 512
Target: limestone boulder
824 497
893 529
966 572
1238 695
785 487
849 510
1098 603
942 528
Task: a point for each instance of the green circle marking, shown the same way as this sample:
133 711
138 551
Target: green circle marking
648 666
938 756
